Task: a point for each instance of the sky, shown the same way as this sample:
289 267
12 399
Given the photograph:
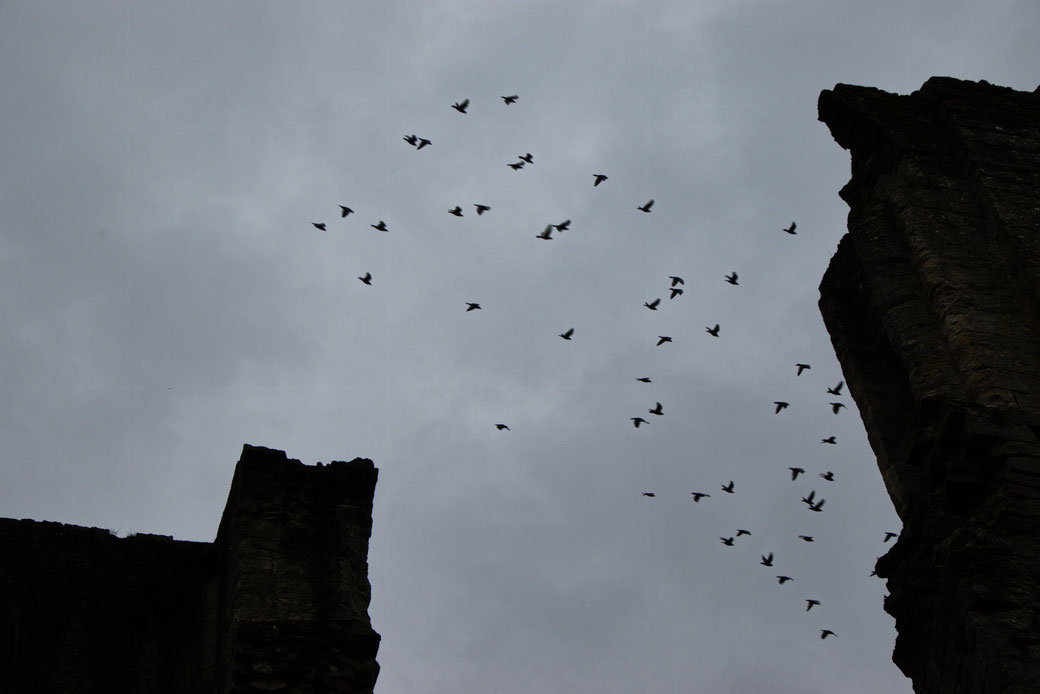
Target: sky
167 299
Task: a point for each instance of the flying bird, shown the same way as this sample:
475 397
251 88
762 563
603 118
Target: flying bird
481 209
344 211
566 335
818 506
423 142
411 139
502 427
526 157
732 278
836 406
809 604
697 496
807 538
836 390
714 332
457 211
889 536
460 106
780 404
676 291
319 225
472 307
784 579
661 339
829 439
824 633
728 487
650 494
367 279
546 233
741 531
791 229
517 166
795 471
599 178
381 226
652 305
809 499
829 476
636 421
676 280
767 559
563 226
728 541
510 99
644 379
656 410
801 368
646 207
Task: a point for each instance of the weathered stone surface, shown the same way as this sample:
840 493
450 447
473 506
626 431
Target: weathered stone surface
278 602
932 301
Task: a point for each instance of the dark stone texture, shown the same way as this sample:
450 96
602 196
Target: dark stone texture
278 602
932 301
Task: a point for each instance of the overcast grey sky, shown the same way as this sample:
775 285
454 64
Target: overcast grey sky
167 299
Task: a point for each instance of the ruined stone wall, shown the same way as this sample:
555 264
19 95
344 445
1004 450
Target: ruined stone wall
279 602
932 301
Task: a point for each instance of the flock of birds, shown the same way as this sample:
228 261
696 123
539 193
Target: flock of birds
675 289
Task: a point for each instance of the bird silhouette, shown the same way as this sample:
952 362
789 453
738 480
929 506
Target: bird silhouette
836 390
319 225
563 226
656 410
791 229
728 487
732 278
767 559
661 339
780 404
676 280
784 579
809 604
529 158
714 332
801 368
824 633
481 209
636 421
809 499
741 531
650 494
676 291
510 99
457 211
472 307
697 496
644 379
728 541
460 106
517 166
829 476
599 178
795 471
344 211
807 538
652 305
889 536
381 226
423 142
818 506
566 335
546 233
367 279
502 427
836 406
411 139
646 207
829 439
